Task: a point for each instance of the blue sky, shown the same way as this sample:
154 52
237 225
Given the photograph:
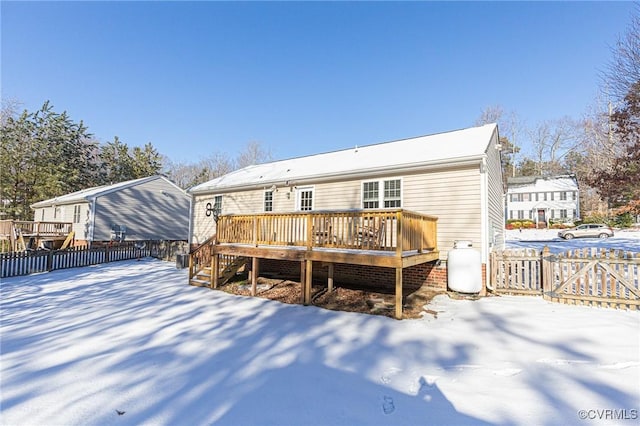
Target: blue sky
196 78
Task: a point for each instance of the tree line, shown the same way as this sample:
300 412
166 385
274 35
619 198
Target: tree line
45 154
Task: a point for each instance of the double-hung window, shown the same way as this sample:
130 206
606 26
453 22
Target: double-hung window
217 203
370 195
389 197
392 194
268 201
76 214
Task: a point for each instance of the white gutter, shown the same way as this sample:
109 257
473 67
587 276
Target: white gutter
190 236
484 218
92 218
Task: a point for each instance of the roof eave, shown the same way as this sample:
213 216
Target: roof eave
360 173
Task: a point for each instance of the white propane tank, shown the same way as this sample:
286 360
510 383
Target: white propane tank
464 268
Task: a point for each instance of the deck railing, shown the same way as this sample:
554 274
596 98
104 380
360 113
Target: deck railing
45 229
389 230
396 230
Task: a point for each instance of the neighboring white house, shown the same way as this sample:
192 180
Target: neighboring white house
455 176
543 199
151 208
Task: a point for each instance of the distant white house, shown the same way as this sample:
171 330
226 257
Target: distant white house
543 199
150 208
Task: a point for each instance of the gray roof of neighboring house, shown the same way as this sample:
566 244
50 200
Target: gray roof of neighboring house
442 148
87 195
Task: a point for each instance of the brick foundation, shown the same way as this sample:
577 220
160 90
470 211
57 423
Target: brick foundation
432 275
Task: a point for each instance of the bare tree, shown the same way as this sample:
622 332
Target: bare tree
186 175
511 129
551 141
253 153
10 108
623 71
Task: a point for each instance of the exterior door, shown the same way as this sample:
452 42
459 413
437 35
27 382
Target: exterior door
542 217
304 199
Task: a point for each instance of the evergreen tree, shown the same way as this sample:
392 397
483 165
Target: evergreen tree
115 162
42 155
146 161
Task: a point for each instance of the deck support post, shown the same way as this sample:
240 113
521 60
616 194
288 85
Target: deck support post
330 278
308 282
255 264
215 270
398 293
303 279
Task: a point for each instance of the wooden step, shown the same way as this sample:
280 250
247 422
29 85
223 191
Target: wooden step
231 269
199 283
203 277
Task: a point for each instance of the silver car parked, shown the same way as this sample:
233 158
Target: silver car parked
593 230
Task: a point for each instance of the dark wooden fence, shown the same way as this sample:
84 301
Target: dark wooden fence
31 262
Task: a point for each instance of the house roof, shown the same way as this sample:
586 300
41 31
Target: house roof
542 183
87 195
442 148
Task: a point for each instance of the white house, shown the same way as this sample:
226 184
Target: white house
150 208
455 176
543 200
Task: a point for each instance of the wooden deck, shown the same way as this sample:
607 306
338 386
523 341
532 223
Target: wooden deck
19 233
386 238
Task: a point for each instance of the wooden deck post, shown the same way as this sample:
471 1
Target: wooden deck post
215 269
310 231
398 293
255 231
308 282
330 278
303 280
400 234
255 264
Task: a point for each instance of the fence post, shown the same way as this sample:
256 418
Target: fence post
546 271
50 261
106 253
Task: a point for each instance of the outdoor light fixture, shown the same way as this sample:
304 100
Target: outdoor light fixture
213 211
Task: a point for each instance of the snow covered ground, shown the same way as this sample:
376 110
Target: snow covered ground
131 343
626 239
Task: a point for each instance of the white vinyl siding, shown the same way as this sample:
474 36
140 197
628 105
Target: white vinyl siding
76 214
451 195
454 197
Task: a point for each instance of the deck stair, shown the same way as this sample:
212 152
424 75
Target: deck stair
19 243
229 266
